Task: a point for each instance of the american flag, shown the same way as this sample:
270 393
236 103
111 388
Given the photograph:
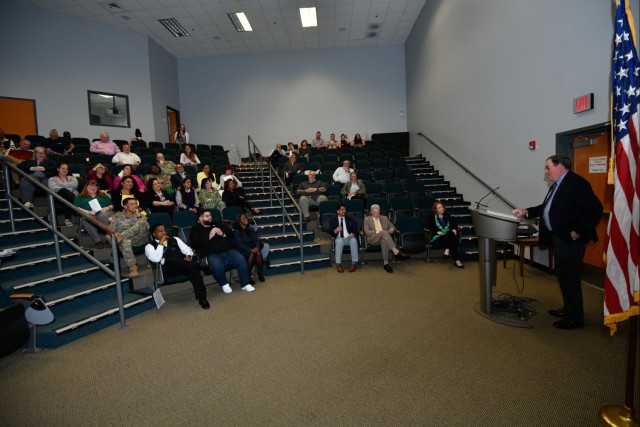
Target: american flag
623 250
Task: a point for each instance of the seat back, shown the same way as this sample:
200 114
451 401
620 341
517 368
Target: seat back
230 213
327 210
412 238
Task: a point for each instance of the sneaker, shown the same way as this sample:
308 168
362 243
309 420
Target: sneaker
28 205
248 288
68 223
227 289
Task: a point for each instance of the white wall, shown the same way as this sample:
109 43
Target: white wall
54 59
163 76
287 96
484 78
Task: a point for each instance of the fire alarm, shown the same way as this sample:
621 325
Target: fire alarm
532 145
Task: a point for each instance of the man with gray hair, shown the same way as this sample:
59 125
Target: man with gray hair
378 230
310 193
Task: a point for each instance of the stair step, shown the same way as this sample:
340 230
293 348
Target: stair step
36 255
45 272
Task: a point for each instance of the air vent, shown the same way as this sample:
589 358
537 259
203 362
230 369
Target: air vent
174 27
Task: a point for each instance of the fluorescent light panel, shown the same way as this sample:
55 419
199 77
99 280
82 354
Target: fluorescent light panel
308 17
240 21
174 27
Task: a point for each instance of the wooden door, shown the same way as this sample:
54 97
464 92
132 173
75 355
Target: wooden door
172 123
18 116
591 155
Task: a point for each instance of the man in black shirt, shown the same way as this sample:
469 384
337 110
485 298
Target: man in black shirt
214 239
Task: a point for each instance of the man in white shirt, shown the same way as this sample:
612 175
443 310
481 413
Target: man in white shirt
126 157
343 174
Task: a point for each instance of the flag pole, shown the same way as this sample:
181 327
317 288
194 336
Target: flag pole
619 416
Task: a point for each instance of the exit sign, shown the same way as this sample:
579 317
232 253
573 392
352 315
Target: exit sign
583 103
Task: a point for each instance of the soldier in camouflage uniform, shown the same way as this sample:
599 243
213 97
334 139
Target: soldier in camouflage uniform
132 229
167 168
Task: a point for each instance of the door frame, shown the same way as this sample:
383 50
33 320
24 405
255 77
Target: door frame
170 130
564 146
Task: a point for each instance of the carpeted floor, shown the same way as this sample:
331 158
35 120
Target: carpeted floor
324 349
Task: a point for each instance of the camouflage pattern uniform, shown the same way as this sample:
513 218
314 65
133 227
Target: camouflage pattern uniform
168 168
134 231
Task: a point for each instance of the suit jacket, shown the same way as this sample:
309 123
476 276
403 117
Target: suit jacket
574 207
370 228
352 225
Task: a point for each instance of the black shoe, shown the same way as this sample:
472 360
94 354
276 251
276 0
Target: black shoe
387 268
402 256
445 256
557 313
261 277
251 281
306 219
567 324
204 303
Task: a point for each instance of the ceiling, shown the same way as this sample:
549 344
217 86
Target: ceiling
276 23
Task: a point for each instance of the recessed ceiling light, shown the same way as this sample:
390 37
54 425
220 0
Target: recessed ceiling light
174 27
308 17
240 21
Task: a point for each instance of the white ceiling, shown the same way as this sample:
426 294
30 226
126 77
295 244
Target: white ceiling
276 23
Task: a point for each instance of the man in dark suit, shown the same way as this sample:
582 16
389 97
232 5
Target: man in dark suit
180 175
345 230
568 219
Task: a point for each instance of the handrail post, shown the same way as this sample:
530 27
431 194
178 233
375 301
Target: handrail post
301 243
116 270
54 225
7 190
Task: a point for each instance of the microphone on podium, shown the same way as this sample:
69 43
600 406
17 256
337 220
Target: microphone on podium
478 204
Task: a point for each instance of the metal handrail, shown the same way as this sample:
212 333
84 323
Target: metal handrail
51 195
254 151
464 168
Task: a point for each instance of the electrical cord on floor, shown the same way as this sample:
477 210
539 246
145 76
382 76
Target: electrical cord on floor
515 279
520 306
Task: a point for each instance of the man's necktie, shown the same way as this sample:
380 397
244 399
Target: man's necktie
547 205
342 227
376 221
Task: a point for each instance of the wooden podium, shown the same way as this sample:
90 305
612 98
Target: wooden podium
491 227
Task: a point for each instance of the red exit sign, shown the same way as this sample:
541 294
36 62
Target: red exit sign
583 103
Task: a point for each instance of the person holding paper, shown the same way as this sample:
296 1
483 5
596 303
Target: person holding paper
93 201
568 218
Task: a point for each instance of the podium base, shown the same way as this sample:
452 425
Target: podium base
618 416
501 317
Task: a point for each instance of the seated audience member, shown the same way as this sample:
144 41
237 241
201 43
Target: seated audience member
318 142
209 196
186 196
304 150
104 145
378 230
41 169
138 137
167 169
55 146
247 242
154 172
158 200
291 150
358 141
343 173
100 174
175 257
206 172
332 144
345 232
234 196
6 142
131 229
127 170
85 202
444 232
310 193
180 175
228 174
344 141
188 157
214 239
126 157
354 189
65 186
15 156
128 189
291 169
276 155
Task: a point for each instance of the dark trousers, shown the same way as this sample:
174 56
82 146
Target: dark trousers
180 266
219 263
568 263
448 241
69 197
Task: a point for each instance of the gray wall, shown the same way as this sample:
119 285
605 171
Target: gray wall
163 76
55 59
484 78
287 96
